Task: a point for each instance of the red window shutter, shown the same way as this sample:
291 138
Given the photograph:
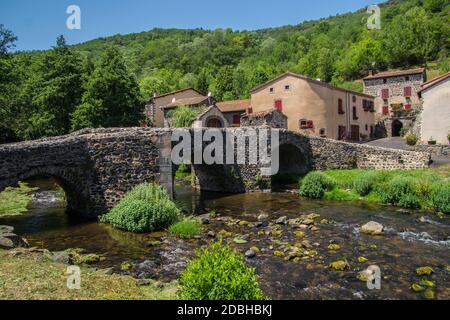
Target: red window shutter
385 94
407 91
279 105
385 110
310 124
236 119
408 107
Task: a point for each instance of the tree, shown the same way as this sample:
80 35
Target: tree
153 85
223 83
413 38
7 40
184 116
112 97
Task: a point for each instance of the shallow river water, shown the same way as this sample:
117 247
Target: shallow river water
411 241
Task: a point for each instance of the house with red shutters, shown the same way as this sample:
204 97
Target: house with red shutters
397 102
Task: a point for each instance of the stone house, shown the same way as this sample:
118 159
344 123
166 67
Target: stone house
397 102
157 106
316 108
436 110
273 118
211 117
233 110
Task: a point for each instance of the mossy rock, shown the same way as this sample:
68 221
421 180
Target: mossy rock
334 247
299 234
426 283
313 216
256 249
424 271
279 253
429 294
225 234
126 266
417 287
362 260
276 233
340 265
240 241
88 259
244 223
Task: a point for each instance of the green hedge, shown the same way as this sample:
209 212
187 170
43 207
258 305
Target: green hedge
440 199
146 208
219 273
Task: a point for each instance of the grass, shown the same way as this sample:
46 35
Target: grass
423 182
184 173
14 201
186 229
29 277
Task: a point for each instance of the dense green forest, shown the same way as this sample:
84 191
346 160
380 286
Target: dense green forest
105 82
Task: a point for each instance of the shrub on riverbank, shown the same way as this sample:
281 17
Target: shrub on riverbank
412 189
146 208
186 228
219 273
315 184
440 199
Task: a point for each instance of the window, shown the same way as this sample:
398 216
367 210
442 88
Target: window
250 110
385 94
271 90
340 107
384 80
354 99
236 119
279 105
408 107
407 91
355 114
310 124
385 110
287 88
406 78
303 124
342 132
367 127
322 132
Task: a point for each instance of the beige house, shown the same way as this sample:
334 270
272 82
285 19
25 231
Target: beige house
158 105
436 110
316 108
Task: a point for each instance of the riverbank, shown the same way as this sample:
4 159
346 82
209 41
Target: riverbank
14 201
427 189
27 274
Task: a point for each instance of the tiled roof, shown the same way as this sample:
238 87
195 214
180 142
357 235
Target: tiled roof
388 74
187 102
435 81
234 106
174 92
318 82
262 113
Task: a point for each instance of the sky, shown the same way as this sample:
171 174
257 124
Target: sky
37 23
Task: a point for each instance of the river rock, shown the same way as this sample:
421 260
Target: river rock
250 254
6 229
282 220
372 228
205 219
147 265
263 217
10 241
62 257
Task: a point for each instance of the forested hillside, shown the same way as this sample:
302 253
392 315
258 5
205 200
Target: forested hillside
105 81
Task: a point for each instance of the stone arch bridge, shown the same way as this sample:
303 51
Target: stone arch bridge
97 167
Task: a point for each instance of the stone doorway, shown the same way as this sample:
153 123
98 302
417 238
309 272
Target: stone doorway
397 127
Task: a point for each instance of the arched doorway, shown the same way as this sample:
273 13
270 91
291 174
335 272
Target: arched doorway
397 127
214 123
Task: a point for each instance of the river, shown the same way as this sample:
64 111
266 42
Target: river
411 241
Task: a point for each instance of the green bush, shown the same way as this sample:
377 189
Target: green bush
412 139
364 183
409 201
315 184
184 116
219 273
440 199
186 228
146 208
392 191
